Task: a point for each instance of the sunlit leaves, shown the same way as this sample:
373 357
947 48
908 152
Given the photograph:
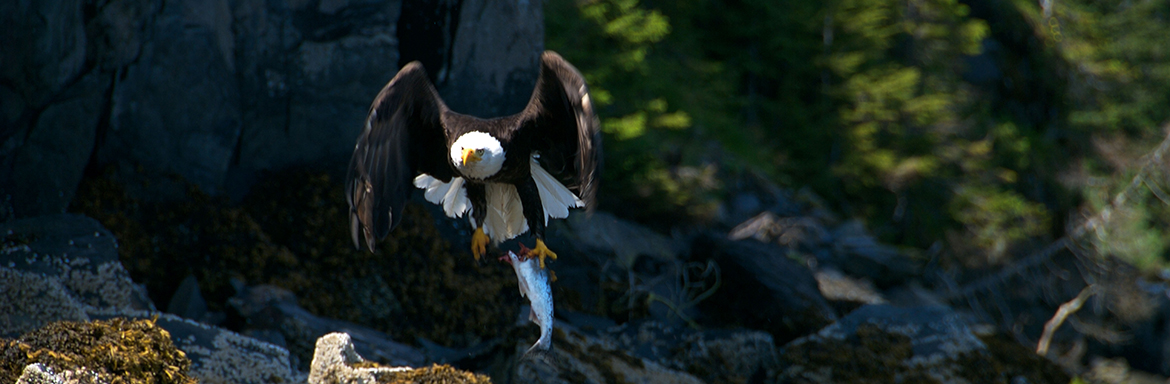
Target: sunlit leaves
626 127
997 218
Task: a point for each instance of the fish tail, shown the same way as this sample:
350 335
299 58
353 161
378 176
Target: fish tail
539 351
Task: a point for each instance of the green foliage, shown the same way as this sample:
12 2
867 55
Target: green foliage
1118 92
997 218
871 103
1131 207
1123 52
617 44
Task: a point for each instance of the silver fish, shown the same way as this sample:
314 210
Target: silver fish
534 285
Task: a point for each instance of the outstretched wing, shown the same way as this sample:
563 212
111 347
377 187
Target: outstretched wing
560 124
404 136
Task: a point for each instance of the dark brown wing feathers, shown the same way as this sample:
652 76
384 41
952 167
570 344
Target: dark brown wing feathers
402 138
409 128
559 122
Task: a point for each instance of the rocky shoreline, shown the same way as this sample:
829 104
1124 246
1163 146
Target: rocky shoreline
169 169
825 327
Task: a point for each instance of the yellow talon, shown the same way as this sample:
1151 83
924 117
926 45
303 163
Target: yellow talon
479 242
541 251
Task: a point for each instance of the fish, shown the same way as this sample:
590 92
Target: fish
534 285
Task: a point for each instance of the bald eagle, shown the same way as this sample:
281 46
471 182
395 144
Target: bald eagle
509 175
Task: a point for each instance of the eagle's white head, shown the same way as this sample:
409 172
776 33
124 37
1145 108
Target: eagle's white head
477 155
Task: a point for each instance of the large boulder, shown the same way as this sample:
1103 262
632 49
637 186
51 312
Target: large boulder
44 48
578 357
858 253
50 106
882 343
65 268
215 91
499 67
274 311
336 361
762 288
58 267
176 110
308 72
713 355
47 167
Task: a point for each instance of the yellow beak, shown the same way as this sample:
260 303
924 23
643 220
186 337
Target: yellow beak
471 156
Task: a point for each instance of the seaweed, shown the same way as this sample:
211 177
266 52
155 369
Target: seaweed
117 351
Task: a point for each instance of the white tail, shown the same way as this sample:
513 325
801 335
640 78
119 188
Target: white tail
505 213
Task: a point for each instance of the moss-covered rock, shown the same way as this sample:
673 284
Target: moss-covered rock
292 231
885 344
116 351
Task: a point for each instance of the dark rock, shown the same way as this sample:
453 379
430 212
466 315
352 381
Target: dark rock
50 105
761 289
187 301
881 343
629 260
117 31
177 109
604 236
932 330
793 232
12 107
576 357
715 356
216 91
751 194
271 308
857 253
44 47
48 163
307 77
585 321
739 356
500 66
1145 344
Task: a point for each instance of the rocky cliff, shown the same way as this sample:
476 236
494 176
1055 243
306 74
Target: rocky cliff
216 91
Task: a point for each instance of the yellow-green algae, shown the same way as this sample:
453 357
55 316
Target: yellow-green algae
118 350
434 374
437 374
292 231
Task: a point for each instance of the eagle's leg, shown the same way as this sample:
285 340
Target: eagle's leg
477 194
541 251
534 214
479 242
